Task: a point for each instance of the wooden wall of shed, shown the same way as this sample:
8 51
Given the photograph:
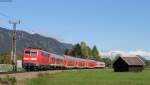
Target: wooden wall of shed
120 66
136 68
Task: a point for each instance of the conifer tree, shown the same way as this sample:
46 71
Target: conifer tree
95 53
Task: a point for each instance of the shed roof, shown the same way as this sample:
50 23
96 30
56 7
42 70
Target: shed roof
131 60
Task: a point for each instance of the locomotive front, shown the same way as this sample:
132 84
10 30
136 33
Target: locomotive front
30 58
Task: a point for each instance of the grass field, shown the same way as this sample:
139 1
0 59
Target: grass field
93 77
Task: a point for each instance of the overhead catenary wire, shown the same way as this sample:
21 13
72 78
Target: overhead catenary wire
13 19
6 16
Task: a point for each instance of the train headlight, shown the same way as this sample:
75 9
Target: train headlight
25 58
30 59
33 59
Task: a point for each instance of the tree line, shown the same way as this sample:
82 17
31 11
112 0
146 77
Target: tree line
82 50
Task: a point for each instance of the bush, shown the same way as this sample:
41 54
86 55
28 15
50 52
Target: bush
5 58
8 80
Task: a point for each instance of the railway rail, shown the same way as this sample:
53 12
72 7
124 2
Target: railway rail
11 72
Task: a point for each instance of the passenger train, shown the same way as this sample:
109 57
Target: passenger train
38 59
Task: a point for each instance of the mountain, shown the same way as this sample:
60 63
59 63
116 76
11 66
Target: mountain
142 53
25 39
112 54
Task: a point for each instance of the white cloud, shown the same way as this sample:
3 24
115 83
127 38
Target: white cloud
112 54
142 53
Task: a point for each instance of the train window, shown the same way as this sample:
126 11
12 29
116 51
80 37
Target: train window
27 52
33 52
45 54
30 52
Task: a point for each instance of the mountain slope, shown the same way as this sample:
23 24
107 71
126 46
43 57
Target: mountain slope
25 39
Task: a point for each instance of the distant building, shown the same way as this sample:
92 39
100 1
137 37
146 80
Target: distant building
128 64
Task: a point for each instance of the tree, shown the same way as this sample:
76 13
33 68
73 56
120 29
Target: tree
81 50
90 55
95 53
77 50
107 61
84 50
66 51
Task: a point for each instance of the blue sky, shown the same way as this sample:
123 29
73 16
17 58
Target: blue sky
109 24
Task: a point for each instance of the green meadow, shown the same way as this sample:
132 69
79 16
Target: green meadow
93 77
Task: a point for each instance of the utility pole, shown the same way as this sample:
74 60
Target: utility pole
13 49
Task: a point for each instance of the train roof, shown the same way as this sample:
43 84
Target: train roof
31 48
56 56
71 57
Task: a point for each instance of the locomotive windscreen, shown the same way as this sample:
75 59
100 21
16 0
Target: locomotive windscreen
30 52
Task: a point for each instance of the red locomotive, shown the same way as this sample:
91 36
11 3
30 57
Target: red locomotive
37 59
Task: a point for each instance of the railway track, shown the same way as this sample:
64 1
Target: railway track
11 72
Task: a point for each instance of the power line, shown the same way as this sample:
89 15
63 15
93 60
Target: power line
11 18
6 16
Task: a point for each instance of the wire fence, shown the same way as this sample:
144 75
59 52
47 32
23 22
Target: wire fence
5 67
9 67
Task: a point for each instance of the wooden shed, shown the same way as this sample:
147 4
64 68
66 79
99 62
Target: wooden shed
128 64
